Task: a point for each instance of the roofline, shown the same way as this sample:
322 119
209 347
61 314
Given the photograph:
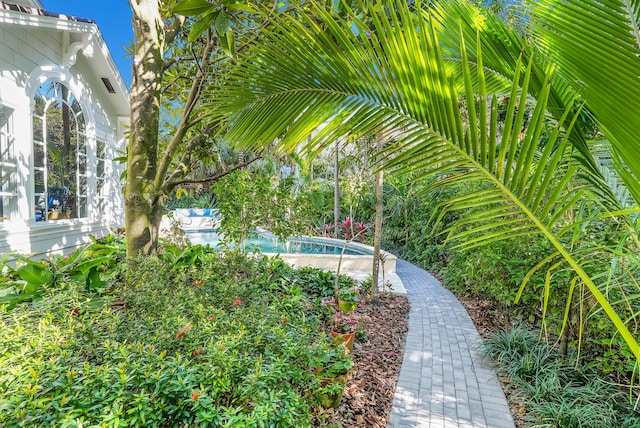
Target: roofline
41 12
27 16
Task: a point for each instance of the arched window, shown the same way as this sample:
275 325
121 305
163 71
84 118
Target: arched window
59 153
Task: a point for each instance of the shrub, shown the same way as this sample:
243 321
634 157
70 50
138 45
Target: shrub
213 345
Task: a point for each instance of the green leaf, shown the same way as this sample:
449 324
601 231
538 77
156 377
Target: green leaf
228 44
222 23
35 275
200 26
317 77
94 280
249 8
192 7
8 291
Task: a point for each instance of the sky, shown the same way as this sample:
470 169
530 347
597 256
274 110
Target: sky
114 21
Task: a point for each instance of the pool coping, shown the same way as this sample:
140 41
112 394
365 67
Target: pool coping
348 262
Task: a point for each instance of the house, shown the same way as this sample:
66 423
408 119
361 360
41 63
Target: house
64 111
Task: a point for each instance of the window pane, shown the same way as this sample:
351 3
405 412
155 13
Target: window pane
82 143
37 129
6 146
39 181
40 209
100 152
38 155
82 164
83 185
7 183
82 207
39 105
55 126
100 168
81 123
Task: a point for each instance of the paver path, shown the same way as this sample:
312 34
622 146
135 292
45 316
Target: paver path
443 382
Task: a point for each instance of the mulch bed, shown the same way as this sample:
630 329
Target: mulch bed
368 393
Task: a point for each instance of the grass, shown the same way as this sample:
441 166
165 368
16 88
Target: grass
555 390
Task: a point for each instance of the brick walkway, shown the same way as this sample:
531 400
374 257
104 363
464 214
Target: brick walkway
442 381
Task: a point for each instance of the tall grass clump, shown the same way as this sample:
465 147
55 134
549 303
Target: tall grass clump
553 390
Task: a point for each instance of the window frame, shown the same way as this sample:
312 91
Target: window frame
48 94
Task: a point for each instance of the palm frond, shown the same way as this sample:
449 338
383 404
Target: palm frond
596 45
383 68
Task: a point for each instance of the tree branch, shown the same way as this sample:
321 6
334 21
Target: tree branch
218 176
184 125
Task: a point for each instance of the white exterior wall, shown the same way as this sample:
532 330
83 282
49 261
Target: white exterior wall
29 56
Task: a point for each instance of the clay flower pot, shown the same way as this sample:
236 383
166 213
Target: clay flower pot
345 339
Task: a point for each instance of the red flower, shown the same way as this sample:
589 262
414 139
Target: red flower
237 302
212 317
194 395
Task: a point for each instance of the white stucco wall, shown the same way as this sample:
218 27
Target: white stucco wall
34 50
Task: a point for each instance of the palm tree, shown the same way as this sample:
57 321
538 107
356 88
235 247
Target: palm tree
396 67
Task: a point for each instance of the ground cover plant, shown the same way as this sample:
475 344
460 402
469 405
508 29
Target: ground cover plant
549 390
192 337
221 341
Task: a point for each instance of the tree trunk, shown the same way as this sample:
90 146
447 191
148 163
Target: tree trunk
144 202
377 229
336 189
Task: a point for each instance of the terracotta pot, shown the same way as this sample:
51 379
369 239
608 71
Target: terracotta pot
345 339
332 399
346 307
56 215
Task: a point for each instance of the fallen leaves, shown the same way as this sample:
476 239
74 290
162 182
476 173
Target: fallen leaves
183 331
368 394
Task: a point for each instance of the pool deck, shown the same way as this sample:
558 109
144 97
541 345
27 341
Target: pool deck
394 283
443 381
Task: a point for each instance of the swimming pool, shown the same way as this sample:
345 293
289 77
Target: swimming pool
272 244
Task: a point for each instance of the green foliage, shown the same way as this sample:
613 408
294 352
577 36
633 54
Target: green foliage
248 200
192 7
227 341
91 266
550 300
470 102
494 272
317 283
314 206
557 392
188 201
332 362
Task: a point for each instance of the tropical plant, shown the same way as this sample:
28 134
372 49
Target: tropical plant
170 145
363 71
538 376
596 46
206 345
91 265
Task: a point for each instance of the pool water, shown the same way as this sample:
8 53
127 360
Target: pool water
268 244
